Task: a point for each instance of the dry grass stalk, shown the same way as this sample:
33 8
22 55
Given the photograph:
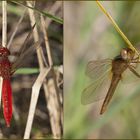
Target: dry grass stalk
55 111
4 36
4 23
53 10
35 34
46 42
15 30
34 97
52 97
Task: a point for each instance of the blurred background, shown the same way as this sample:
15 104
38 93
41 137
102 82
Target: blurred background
89 35
23 80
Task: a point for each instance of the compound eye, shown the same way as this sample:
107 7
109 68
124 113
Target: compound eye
4 52
124 54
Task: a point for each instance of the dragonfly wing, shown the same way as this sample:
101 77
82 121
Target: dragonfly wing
96 69
24 45
21 60
92 92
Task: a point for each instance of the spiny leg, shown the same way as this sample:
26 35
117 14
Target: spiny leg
133 71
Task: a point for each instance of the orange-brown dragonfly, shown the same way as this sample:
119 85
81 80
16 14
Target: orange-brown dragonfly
99 69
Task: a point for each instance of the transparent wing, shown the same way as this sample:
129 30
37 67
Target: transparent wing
21 60
99 72
25 52
96 69
24 45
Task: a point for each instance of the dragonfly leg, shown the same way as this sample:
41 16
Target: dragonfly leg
135 60
134 71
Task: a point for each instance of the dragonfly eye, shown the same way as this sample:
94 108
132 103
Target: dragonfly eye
4 52
124 54
127 54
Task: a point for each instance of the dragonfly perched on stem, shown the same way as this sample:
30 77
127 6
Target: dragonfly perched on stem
126 60
97 70
7 69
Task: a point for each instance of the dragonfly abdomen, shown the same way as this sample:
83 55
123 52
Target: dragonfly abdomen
7 100
5 70
114 82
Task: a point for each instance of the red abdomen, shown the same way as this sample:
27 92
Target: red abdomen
5 70
7 101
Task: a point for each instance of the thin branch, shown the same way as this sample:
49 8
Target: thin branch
44 59
58 20
53 97
53 10
117 28
46 42
4 36
53 104
34 98
4 23
35 34
17 26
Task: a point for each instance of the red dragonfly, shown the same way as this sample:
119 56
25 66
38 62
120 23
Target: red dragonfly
98 71
7 69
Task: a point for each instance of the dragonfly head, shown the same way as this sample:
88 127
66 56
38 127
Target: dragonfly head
4 52
127 54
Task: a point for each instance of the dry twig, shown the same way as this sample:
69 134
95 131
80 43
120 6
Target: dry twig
15 30
4 36
52 96
4 23
35 93
53 10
